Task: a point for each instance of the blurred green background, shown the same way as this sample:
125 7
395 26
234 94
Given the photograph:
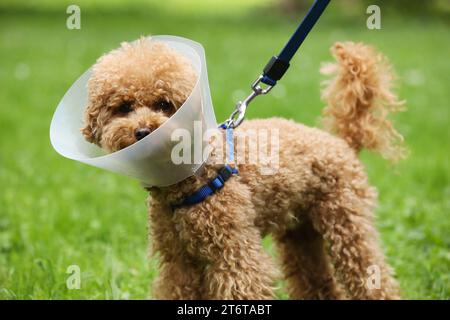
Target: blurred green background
55 212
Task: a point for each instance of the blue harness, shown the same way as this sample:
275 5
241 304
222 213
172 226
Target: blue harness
272 72
219 180
208 189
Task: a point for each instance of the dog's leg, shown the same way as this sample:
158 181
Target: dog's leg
221 232
177 280
344 220
305 264
179 275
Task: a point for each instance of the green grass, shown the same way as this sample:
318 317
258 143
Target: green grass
55 212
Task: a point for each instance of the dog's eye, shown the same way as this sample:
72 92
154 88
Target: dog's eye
124 108
163 105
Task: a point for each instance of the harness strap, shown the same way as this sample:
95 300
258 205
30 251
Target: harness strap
208 189
218 181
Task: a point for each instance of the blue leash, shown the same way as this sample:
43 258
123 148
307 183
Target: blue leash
278 65
272 72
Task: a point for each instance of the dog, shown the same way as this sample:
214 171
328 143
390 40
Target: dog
318 207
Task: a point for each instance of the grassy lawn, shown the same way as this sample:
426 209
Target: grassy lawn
55 212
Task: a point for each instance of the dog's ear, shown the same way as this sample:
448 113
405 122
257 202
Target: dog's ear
90 129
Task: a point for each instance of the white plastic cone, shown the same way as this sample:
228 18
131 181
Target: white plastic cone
148 160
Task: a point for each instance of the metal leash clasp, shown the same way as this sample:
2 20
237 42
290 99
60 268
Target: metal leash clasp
238 114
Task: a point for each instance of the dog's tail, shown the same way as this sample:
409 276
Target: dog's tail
359 98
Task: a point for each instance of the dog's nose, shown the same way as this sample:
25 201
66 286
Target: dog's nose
140 133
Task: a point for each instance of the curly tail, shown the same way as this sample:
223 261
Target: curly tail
359 99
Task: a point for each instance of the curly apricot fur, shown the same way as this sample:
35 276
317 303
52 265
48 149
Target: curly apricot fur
318 207
359 99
